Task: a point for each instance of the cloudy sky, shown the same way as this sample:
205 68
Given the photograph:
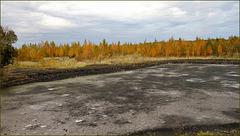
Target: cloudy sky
124 21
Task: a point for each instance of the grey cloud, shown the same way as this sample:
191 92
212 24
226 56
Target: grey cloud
204 19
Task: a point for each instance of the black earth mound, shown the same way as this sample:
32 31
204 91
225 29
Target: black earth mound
31 76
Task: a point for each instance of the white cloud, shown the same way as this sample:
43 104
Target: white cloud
55 22
177 12
116 10
211 13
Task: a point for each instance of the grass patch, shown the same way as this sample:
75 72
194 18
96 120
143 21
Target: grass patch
233 132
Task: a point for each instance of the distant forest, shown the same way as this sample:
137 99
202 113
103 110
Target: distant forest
88 51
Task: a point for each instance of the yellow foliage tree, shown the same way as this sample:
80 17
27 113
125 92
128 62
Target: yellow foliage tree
219 50
209 50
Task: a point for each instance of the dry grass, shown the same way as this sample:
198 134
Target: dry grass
138 59
46 63
65 62
233 132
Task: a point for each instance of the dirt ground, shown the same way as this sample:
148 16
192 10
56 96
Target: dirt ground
164 96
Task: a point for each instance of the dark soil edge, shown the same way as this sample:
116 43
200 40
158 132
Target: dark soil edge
59 74
191 130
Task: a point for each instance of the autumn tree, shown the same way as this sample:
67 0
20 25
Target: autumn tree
187 52
40 53
33 52
90 50
66 49
79 53
104 48
53 49
24 53
209 50
85 49
234 45
57 52
61 52
119 50
169 47
96 52
47 49
219 50
213 46
71 53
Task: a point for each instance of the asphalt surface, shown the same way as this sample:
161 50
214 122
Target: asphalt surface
164 96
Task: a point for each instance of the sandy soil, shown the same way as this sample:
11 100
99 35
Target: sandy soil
164 96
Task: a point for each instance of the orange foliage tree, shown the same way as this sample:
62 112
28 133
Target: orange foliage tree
90 51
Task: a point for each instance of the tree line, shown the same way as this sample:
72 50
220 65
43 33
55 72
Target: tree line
90 51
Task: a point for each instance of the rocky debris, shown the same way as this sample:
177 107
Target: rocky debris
77 121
